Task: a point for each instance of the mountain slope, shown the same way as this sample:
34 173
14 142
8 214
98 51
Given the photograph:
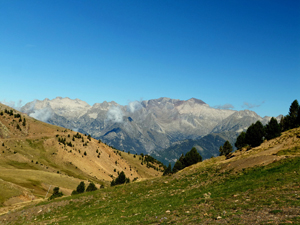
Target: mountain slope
141 127
208 146
35 155
256 186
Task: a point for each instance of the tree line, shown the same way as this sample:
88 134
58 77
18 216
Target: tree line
190 158
257 133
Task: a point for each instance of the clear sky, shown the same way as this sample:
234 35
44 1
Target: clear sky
234 53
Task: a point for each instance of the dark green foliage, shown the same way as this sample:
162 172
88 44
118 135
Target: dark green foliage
89 137
168 170
298 118
190 158
291 120
272 129
255 134
294 109
17 115
24 122
77 135
226 149
56 193
121 179
91 187
178 166
62 140
9 112
241 141
80 188
1 113
74 192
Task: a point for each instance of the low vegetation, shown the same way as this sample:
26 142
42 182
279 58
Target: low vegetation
257 133
204 193
257 185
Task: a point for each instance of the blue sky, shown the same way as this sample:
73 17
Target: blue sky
234 53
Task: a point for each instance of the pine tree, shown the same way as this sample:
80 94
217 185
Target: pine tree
192 157
272 129
241 141
168 170
221 150
255 134
81 187
121 179
178 166
291 120
294 109
56 193
91 187
226 149
298 118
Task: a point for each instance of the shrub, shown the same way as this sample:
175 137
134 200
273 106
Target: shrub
91 187
81 187
226 149
56 193
121 179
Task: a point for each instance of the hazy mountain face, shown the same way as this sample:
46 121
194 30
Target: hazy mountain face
141 127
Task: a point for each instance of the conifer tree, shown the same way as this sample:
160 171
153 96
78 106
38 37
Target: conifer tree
272 129
241 141
255 134
91 187
226 149
294 109
178 166
81 187
56 193
121 179
168 170
192 157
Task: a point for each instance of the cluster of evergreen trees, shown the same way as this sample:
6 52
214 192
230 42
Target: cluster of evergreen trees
121 179
56 193
257 133
81 188
292 120
226 149
190 158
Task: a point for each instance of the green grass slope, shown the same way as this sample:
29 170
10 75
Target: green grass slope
257 186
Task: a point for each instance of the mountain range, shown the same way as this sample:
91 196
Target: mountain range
150 126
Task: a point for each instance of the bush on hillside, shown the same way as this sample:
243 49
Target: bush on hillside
56 193
190 158
91 187
81 187
121 179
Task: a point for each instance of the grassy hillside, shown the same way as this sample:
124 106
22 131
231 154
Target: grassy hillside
256 186
35 155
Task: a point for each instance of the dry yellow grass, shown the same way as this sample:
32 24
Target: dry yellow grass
32 158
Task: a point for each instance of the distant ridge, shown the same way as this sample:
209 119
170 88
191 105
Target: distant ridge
154 124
